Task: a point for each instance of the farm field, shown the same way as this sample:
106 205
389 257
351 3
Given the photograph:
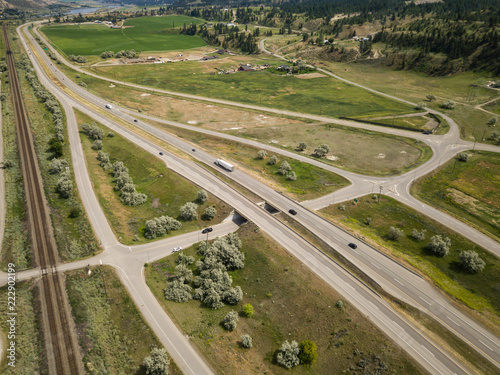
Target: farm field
167 192
357 150
322 96
147 34
477 291
468 191
467 89
290 303
112 333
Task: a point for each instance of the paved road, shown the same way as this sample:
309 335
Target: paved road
397 281
426 352
446 146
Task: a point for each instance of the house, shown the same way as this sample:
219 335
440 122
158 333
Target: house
205 58
283 67
245 68
365 39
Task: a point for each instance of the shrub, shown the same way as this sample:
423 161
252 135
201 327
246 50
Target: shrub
160 225
342 207
463 156
273 160
82 84
288 355
210 212
202 196
471 262
246 341
308 352
184 259
97 145
177 291
439 246
448 104
321 150
284 168
395 233
233 296
189 211
292 176
248 310
56 147
111 134
183 273
419 236
340 304
57 166
261 154
430 97
302 146
230 321
157 363
64 185
493 121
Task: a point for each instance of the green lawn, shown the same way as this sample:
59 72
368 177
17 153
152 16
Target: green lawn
147 34
323 96
151 177
478 291
469 191
290 303
112 333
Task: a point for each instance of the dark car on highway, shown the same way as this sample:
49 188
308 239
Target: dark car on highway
292 211
353 245
161 153
207 230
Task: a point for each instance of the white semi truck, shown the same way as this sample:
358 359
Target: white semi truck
224 164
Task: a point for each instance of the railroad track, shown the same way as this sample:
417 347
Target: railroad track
62 350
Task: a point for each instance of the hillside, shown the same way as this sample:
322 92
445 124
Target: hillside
25 4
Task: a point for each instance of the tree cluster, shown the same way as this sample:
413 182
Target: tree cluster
125 184
157 362
107 54
64 185
79 59
126 54
159 226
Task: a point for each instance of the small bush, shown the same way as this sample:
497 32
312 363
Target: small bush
288 355
202 196
302 146
418 235
471 262
439 246
246 341
395 233
448 104
292 176
284 168
273 160
308 352
340 304
97 145
189 211
230 321
463 156
261 154
248 310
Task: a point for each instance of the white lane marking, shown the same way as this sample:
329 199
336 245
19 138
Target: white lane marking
428 351
453 320
399 282
486 345
427 302
376 266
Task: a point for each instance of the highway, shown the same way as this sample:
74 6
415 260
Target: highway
398 329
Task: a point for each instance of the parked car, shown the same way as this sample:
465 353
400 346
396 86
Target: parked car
207 230
353 245
428 132
176 249
135 120
108 106
292 211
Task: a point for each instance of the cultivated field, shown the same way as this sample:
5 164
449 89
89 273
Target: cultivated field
468 191
167 191
373 219
322 96
144 34
290 303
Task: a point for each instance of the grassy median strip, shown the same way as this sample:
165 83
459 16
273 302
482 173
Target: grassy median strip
167 192
290 303
374 219
467 190
28 350
113 335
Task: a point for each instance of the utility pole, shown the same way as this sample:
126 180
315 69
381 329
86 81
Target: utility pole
380 193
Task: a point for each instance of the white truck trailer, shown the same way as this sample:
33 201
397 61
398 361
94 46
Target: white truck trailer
225 165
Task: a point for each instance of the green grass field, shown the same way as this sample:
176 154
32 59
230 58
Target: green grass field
478 291
151 177
147 34
468 191
112 333
323 96
290 303
28 341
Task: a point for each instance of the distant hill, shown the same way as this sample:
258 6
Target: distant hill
25 4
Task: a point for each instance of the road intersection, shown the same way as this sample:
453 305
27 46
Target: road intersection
383 270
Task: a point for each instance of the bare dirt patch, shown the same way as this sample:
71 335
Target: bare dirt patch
310 75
